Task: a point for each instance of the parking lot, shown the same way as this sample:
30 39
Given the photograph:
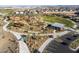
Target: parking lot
62 47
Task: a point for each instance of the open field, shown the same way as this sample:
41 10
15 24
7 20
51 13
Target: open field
53 19
6 11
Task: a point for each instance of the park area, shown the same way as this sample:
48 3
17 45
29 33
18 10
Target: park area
56 19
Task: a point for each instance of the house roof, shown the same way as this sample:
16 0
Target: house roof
58 25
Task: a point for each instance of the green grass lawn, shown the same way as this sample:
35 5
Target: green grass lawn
53 19
6 11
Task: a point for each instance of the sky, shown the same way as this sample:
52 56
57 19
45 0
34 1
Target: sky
39 2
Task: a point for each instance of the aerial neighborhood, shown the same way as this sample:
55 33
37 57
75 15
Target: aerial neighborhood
39 29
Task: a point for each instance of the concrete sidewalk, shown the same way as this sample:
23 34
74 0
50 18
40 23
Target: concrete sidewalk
45 44
23 48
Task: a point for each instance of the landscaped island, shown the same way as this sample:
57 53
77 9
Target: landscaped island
75 44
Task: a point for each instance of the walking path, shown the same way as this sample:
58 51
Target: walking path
22 46
45 44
